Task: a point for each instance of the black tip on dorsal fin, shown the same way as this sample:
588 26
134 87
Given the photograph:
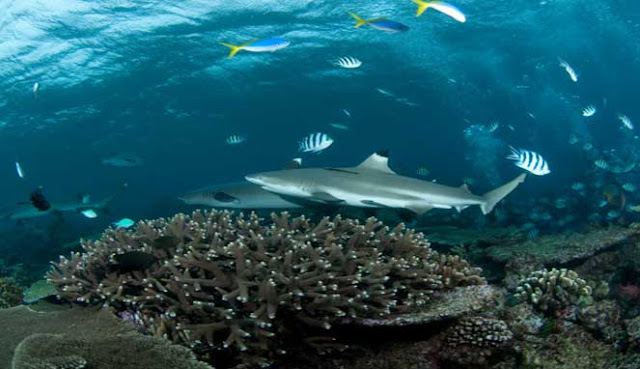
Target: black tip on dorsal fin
384 153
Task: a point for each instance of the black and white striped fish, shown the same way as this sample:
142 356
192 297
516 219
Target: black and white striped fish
235 139
315 142
530 161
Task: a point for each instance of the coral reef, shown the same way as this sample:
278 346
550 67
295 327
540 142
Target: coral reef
473 340
560 249
10 293
224 283
553 290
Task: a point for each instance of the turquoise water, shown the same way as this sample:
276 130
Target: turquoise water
150 79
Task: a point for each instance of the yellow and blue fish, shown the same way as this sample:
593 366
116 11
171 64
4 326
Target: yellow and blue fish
381 24
263 45
442 7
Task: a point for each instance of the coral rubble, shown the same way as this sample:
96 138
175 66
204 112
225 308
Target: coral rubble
225 283
10 293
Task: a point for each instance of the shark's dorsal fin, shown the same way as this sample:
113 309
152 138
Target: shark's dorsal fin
465 188
377 161
293 164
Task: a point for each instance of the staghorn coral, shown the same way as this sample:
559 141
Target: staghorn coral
473 340
552 290
224 283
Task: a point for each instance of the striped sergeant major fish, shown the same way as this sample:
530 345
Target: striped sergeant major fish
530 161
381 24
263 45
315 142
235 139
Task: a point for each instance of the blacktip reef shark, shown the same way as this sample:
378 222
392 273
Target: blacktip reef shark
240 195
374 184
83 205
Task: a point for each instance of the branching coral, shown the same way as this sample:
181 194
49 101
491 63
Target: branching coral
216 281
472 341
551 291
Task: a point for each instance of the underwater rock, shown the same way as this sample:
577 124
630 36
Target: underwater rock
553 290
573 349
128 351
38 291
10 293
602 318
54 336
450 305
564 248
233 284
454 236
474 340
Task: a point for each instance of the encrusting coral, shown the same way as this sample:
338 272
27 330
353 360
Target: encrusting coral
220 282
553 290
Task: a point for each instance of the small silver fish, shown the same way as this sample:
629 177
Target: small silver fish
587 146
573 139
346 112
339 126
570 71
629 187
19 170
385 92
578 186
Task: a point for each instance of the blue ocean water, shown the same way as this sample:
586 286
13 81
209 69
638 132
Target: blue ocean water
150 79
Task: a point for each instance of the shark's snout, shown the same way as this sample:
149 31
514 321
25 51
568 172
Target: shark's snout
255 178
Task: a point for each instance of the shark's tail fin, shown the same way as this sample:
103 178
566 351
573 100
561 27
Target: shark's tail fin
104 203
359 21
493 197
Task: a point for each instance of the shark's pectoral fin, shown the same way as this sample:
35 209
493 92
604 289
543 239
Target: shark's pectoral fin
326 197
461 208
419 208
374 203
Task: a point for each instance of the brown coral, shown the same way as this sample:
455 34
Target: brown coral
472 341
220 282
